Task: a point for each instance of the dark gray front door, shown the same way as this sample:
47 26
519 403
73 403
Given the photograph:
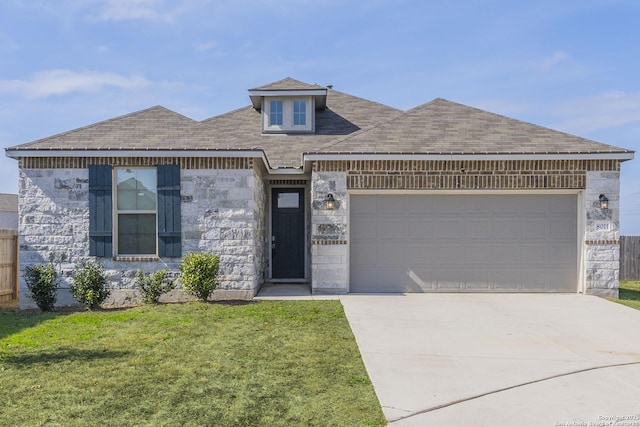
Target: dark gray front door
287 233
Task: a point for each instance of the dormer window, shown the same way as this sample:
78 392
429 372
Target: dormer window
287 115
288 105
275 113
299 113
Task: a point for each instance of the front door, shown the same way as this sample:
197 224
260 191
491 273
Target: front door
287 233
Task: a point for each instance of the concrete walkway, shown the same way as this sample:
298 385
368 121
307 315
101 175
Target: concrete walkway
499 360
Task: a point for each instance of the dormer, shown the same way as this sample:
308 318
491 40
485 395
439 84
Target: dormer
288 106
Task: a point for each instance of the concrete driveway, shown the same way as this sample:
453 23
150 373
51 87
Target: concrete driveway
501 359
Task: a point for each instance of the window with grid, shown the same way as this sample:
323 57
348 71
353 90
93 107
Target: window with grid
299 113
136 211
276 113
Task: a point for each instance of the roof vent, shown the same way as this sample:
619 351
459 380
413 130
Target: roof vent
330 86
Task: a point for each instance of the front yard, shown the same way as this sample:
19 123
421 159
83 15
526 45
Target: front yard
253 364
629 294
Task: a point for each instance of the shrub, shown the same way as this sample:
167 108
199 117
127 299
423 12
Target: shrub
153 286
90 284
42 282
199 274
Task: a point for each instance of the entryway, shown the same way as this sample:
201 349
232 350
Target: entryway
287 234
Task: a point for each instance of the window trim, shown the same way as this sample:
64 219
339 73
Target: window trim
295 114
280 113
117 212
288 125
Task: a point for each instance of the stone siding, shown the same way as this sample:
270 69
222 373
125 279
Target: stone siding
329 249
602 234
222 213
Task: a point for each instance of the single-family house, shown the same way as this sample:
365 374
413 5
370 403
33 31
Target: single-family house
312 186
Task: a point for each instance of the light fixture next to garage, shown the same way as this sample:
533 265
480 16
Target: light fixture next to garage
330 202
604 202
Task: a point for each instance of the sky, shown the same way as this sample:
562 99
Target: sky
571 65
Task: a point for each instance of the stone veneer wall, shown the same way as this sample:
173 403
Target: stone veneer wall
222 213
602 234
329 249
595 177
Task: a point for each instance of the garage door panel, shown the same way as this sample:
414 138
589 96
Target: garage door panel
458 243
420 255
477 255
561 228
478 229
422 205
534 229
363 227
534 254
507 280
449 228
391 253
420 279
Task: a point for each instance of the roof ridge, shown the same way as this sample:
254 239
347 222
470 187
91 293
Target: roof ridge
290 81
102 122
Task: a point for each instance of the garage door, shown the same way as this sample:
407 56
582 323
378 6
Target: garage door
463 243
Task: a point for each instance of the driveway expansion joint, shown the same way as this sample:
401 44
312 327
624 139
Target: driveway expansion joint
478 396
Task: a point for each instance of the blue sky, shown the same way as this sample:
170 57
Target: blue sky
569 65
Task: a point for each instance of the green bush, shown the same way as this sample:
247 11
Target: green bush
42 282
199 274
153 286
90 284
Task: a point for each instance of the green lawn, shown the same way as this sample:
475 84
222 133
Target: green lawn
629 294
270 363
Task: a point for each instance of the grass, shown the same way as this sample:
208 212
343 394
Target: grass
271 363
629 294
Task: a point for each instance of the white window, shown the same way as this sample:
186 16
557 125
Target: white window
299 113
136 211
275 113
292 114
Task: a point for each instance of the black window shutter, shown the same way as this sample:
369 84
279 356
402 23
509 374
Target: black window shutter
169 229
100 211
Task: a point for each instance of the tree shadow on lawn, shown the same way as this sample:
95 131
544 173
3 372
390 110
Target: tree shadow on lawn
14 321
629 294
64 354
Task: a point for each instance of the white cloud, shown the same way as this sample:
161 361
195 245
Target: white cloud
205 46
61 82
148 10
553 60
603 111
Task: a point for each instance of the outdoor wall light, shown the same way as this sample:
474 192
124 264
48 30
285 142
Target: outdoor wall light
604 202
330 202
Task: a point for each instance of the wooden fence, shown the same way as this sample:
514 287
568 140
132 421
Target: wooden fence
8 265
629 257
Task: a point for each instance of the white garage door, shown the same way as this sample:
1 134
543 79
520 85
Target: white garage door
463 243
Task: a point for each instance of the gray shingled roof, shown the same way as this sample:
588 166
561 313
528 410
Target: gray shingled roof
289 84
445 127
348 125
158 128
153 128
8 202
